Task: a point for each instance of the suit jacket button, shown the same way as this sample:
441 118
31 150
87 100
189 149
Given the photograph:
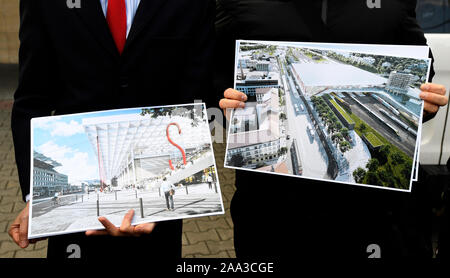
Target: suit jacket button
124 82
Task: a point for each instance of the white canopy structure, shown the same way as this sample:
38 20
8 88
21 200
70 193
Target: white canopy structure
135 147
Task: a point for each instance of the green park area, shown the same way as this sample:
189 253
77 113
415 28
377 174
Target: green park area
388 167
373 139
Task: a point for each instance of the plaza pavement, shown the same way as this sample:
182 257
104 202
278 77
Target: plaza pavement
203 237
76 214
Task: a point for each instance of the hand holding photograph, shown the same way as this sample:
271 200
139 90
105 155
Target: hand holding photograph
158 161
327 113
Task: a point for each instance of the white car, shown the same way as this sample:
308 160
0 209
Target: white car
433 16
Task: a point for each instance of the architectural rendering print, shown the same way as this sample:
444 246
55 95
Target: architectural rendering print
158 161
327 114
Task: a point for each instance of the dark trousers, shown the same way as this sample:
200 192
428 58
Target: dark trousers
163 243
327 221
169 200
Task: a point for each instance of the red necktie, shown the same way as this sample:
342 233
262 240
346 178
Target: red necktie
116 16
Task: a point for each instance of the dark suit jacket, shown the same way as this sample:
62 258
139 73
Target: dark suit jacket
330 219
277 20
69 63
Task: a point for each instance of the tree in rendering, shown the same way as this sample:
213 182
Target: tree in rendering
331 127
337 138
397 158
237 160
373 178
362 128
406 172
282 151
338 125
386 177
383 154
344 146
373 164
345 132
359 175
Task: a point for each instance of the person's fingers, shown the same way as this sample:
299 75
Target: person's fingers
14 232
234 94
227 113
144 228
110 228
34 240
430 108
433 98
229 103
97 233
434 88
126 227
23 231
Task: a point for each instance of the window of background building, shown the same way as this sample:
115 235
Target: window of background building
434 15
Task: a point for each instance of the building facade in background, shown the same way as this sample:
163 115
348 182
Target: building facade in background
399 82
46 180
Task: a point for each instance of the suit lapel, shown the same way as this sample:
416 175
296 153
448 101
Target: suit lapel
146 11
92 14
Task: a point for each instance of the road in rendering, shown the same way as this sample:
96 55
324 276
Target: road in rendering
310 152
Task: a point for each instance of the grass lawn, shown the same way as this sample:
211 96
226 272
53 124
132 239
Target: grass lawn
373 139
342 111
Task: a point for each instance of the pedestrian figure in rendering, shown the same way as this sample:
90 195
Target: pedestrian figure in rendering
169 191
55 199
210 181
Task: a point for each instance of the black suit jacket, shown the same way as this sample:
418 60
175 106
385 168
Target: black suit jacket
276 20
332 217
69 63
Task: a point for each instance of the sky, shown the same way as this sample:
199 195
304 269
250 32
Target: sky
62 138
407 51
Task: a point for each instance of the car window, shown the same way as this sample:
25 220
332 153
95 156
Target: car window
434 15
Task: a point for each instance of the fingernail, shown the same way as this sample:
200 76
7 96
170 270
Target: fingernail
425 87
244 97
423 94
23 243
241 105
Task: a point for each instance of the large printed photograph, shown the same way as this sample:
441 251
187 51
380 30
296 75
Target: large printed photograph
327 113
158 161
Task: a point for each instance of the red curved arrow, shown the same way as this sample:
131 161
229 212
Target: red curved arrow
175 144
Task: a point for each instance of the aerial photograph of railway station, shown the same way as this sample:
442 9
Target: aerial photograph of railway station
327 114
157 161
